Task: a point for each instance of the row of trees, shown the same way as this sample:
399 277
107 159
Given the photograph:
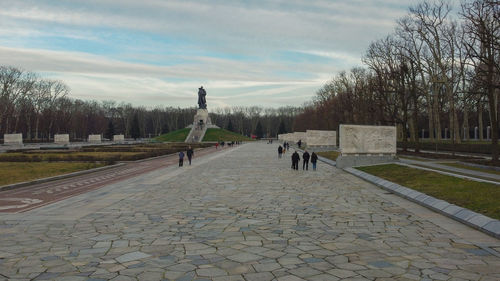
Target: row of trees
39 108
435 71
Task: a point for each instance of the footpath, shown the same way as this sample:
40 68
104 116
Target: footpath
242 214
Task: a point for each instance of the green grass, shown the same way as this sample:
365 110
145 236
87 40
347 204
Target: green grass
476 196
214 134
25 171
332 155
174 136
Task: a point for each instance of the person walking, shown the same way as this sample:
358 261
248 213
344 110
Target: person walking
190 154
299 143
217 145
305 160
181 158
280 151
314 159
295 160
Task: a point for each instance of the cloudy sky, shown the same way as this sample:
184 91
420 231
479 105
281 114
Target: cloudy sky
158 52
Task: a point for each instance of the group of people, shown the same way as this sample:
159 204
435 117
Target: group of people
189 154
296 158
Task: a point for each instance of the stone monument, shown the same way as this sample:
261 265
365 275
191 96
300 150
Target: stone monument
366 145
61 138
13 139
201 119
95 138
321 138
118 138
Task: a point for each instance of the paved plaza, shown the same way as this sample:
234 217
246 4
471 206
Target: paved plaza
242 214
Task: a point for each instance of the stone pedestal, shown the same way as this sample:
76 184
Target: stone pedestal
202 118
61 138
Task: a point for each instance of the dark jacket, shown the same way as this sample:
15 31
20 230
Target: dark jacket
189 153
280 149
295 157
305 156
314 158
181 155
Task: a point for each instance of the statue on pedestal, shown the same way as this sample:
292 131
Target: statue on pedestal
202 102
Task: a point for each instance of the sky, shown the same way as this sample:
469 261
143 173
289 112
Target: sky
159 52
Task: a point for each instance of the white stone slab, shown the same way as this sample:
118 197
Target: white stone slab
61 138
15 139
321 138
118 138
359 139
95 138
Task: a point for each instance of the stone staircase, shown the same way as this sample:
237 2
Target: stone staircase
196 134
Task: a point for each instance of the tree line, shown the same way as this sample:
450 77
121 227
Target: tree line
39 108
439 71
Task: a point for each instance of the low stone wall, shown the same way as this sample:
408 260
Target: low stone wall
95 138
13 139
61 138
321 138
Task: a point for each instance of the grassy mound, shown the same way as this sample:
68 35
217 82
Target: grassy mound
175 136
214 134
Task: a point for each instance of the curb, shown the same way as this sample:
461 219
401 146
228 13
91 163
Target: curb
64 176
480 222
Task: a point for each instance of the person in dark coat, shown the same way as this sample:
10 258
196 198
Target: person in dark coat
181 158
314 159
295 160
299 143
190 154
280 151
305 160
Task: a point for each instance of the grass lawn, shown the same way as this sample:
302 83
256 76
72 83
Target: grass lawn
332 155
214 134
14 172
175 136
476 196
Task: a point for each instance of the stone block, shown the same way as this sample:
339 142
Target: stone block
440 205
61 138
118 138
321 138
452 209
357 139
480 220
13 139
493 227
465 214
95 138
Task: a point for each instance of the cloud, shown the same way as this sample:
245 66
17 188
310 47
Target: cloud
154 51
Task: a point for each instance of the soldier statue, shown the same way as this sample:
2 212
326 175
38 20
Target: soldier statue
202 102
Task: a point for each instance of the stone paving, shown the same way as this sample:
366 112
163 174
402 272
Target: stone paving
242 214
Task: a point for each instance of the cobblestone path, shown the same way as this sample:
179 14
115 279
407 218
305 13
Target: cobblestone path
33 196
241 214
